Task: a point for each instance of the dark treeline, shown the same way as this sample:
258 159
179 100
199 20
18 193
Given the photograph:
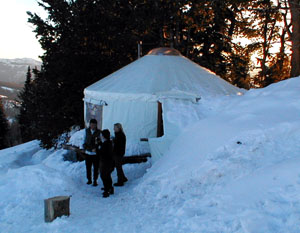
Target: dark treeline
3 128
85 40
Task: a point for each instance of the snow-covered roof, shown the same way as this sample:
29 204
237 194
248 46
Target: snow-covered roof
162 73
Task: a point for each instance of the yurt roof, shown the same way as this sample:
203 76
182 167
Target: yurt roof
162 73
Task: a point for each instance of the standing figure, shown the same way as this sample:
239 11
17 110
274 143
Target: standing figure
90 146
106 162
119 151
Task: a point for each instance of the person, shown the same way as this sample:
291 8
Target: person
106 162
118 153
90 146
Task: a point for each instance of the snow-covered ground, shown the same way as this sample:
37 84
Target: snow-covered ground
237 170
7 88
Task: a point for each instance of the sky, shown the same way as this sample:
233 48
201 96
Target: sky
16 37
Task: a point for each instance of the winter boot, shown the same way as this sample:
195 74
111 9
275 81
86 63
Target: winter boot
89 182
105 194
95 184
119 184
111 190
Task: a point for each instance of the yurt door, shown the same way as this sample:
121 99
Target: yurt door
160 125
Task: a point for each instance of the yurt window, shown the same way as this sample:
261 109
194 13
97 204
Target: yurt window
94 111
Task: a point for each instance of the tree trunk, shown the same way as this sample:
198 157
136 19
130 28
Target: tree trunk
295 17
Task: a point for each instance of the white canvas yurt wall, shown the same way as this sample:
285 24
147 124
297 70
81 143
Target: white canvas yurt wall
137 117
130 95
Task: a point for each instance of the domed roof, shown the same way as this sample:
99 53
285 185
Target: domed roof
164 51
163 73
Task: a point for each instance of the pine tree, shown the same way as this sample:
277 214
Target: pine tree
294 6
268 20
27 108
3 127
78 51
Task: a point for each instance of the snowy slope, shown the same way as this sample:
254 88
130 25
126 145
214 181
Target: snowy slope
237 170
222 186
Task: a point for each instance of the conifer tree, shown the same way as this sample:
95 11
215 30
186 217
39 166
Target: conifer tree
27 108
3 127
294 34
205 32
78 51
268 20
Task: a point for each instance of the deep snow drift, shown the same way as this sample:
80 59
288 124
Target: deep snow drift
237 170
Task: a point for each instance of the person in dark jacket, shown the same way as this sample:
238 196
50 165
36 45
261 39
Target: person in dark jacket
118 153
106 162
90 146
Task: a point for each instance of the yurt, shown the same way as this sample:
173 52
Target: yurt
138 96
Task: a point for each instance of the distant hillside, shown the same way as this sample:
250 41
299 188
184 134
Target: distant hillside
8 96
14 70
9 90
12 79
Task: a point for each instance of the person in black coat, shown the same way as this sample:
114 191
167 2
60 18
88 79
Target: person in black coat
118 153
106 162
90 146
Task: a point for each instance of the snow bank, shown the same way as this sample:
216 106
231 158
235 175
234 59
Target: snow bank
46 174
17 156
236 171
77 139
23 189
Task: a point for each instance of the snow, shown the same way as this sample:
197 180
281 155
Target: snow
236 169
223 186
7 88
77 138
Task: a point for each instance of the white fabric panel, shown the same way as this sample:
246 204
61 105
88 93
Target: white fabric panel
139 119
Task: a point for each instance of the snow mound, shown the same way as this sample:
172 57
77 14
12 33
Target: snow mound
17 156
77 139
236 171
